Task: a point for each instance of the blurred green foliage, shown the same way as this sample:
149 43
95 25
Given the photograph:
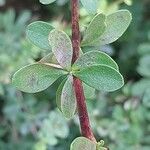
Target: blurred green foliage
122 118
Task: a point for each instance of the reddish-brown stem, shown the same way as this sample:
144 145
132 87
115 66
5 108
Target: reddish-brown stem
86 130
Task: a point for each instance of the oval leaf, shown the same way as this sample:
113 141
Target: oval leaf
82 143
46 2
95 29
94 58
35 78
116 25
101 77
37 32
61 47
68 99
90 6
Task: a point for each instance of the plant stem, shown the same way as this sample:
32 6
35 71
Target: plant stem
86 130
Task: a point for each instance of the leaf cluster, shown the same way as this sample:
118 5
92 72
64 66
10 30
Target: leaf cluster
94 68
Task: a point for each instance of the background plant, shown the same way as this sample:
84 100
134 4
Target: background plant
124 51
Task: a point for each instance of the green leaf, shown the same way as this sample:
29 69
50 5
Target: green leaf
61 47
82 143
101 77
35 78
68 98
90 6
116 25
95 29
37 32
94 58
50 58
46 2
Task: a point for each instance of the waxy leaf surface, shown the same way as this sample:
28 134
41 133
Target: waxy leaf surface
61 47
95 29
101 77
37 32
116 25
82 143
90 6
35 78
94 58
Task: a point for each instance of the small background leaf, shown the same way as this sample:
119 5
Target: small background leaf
146 98
61 47
144 66
101 77
37 32
82 143
143 85
35 78
91 6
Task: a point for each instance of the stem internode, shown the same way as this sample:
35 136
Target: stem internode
86 130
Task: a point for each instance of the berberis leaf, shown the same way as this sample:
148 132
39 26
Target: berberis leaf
95 29
100 77
94 58
116 25
90 6
37 32
68 99
45 2
35 78
61 47
82 143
